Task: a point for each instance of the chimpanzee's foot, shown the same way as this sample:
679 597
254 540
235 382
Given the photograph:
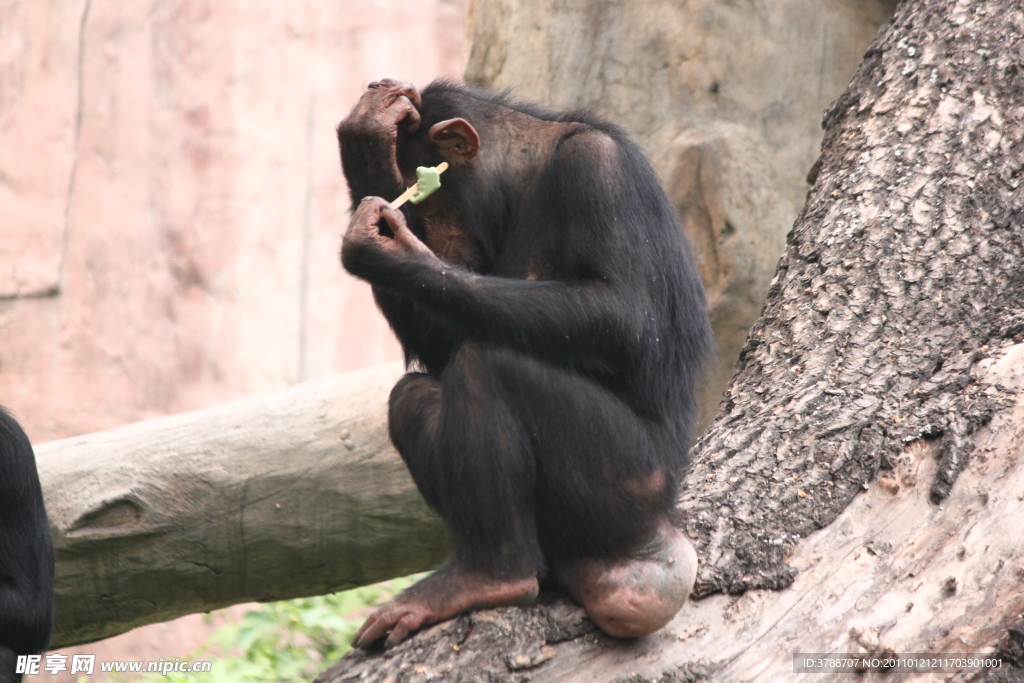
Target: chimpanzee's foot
447 592
637 595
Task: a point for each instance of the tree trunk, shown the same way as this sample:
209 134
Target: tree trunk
868 460
278 496
731 131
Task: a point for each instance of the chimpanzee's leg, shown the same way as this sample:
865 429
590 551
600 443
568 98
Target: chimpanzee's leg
525 462
606 483
467 455
468 452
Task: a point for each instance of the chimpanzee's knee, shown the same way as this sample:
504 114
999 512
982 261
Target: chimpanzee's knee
412 413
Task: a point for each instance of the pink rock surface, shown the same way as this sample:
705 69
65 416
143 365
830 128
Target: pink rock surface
171 205
171 200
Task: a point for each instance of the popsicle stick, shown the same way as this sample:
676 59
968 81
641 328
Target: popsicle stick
404 197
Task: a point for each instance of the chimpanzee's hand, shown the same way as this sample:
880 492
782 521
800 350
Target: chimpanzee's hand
368 138
365 251
384 105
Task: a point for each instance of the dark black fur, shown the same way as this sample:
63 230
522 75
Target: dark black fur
26 552
548 407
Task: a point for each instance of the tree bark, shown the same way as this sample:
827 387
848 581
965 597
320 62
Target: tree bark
278 496
869 454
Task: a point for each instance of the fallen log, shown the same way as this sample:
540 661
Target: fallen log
285 495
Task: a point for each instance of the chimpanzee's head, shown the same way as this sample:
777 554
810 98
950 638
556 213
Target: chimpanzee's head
482 135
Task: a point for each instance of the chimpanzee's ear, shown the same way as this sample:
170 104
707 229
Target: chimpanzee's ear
456 139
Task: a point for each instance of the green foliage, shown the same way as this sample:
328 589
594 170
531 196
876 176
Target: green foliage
288 641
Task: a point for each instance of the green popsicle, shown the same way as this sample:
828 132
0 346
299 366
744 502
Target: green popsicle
427 182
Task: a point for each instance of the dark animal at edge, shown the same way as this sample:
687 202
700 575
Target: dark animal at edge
26 553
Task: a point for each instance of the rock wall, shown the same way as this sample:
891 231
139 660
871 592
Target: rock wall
726 97
171 205
171 200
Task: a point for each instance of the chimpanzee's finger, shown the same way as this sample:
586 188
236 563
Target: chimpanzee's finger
403 88
368 212
403 235
411 116
372 630
406 625
396 221
364 226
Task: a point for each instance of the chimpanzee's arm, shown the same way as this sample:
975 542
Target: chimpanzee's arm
603 221
367 161
544 318
429 303
424 336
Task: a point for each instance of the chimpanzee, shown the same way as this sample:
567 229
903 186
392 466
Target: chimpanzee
26 553
548 298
